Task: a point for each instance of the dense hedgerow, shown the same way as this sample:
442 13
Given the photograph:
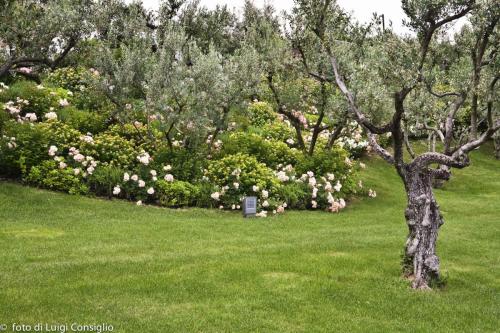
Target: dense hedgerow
49 139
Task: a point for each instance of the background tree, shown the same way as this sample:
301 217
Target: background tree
40 34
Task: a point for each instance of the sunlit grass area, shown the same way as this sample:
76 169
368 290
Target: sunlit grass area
68 259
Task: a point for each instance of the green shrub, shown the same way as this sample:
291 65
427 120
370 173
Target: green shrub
205 190
177 193
40 99
271 153
84 121
104 179
297 195
81 82
49 175
187 164
246 172
4 117
112 149
70 78
144 138
261 113
278 131
324 161
32 144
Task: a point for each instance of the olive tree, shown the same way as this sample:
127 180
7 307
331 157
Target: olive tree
288 58
40 34
401 66
195 91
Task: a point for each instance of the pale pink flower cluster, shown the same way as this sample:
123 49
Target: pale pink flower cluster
116 190
87 162
50 116
87 138
262 213
94 72
300 117
31 117
352 137
15 108
336 206
144 158
282 176
63 102
218 144
52 150
25 70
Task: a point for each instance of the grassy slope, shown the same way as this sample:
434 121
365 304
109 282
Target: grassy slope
145 269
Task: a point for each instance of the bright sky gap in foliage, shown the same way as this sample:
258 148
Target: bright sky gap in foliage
361 9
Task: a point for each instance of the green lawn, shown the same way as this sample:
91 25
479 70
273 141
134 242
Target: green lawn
68 259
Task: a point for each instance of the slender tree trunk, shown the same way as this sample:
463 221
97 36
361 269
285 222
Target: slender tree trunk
474 103
334 136
316 131
473 118
420 262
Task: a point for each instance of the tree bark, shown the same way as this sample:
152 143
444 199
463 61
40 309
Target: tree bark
420 261
496 142
474 113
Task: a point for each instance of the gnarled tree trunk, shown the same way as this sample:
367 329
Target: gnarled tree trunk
420 262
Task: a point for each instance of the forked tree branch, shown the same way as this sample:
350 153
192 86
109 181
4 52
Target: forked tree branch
360 117
424 160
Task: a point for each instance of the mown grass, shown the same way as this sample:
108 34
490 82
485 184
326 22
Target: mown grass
67 259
